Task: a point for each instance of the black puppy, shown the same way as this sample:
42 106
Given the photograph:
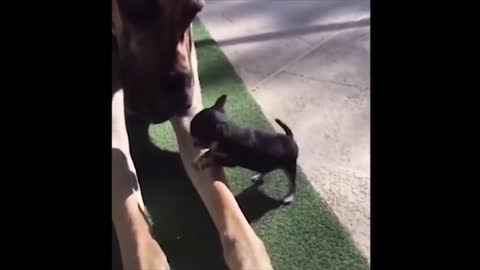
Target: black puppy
230 145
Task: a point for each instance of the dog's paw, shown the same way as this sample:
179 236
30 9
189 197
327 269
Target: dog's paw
289 199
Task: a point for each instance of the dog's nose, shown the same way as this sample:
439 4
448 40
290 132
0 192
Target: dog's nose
192 8
198 5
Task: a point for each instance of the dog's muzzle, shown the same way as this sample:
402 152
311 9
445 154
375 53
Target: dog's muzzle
190 11
197 5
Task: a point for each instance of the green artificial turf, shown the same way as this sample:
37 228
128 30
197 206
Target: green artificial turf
305 235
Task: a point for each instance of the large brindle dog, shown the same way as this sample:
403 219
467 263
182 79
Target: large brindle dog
155 78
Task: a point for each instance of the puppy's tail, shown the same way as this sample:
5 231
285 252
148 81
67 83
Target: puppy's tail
285 127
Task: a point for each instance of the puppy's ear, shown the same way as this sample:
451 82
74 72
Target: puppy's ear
222 129
220 103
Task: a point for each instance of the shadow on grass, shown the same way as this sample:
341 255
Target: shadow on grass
182 225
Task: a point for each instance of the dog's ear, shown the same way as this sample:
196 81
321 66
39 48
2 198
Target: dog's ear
220 103
222 129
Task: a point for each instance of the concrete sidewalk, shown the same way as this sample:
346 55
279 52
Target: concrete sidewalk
308 63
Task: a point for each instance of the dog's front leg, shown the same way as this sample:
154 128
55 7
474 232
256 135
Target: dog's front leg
139 250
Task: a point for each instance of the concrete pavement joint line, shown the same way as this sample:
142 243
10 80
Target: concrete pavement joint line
324 81
296 59
305 41
226 18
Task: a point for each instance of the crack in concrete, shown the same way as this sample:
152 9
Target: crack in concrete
227 19
295 60
324 81
304 54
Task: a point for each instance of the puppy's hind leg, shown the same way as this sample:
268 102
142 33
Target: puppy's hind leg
257 178
291 172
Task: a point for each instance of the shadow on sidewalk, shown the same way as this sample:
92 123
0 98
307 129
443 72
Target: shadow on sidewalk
287 33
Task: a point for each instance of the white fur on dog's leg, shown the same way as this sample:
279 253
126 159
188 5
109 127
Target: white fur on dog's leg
289 199
202 152
257 177
291 189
